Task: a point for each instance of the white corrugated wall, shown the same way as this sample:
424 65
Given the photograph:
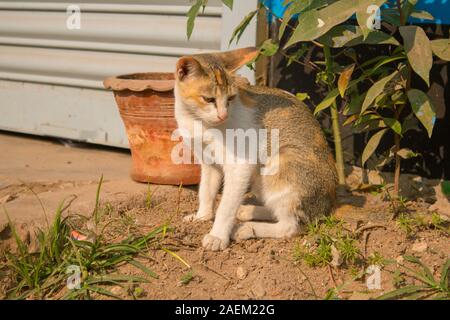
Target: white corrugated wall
51 76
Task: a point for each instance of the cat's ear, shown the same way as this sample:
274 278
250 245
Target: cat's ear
187 66
235 59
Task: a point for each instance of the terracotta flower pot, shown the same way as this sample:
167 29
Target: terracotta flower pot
146 105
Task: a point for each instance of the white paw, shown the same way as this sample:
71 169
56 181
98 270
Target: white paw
214 243
243 231
197 217
245 213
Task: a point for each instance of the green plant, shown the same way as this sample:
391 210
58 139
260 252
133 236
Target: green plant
320 256
412 223
438 223
406 223
347 248
377 259
44 273
186 278
429 286
376 95
398 279
323 235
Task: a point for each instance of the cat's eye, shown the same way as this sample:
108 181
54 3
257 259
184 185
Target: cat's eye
231 98
209 100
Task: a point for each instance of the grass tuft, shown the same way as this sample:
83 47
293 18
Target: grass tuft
61 259
322 236
428 286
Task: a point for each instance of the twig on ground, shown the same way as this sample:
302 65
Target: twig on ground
366 239
214 271
367 227
330 272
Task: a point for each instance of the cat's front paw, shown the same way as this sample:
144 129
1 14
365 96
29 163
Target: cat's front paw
243 231
198 217
214 243
245 213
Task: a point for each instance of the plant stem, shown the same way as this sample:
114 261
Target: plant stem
398 112
339 154
400 12
338 144
397 165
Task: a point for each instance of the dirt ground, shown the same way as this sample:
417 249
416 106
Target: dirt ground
253 269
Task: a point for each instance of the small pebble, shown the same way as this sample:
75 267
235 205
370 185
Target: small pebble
419 247
241 273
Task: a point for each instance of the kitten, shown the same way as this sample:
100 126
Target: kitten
302 185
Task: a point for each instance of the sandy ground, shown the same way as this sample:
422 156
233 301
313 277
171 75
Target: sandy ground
56 171
254 269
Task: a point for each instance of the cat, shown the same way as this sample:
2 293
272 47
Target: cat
303 186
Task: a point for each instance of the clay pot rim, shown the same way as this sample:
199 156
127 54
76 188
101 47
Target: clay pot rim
129 82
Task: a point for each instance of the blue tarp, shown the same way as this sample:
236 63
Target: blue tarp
440 9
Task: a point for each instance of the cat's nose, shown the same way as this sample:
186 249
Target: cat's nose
222 114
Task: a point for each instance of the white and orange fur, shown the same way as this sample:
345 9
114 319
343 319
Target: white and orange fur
303 189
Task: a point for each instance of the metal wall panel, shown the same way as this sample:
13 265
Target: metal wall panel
59 111
51 76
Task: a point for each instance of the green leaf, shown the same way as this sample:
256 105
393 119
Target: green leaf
428 275
228 3
144 268
350 119
441 48
108 279
104 292
391 16
185 279
192 14
296 7
374 37
406 153
354 106
402 292
351 53
239 30
381 61
398 97
445 273
372 145
302 96
269 48
344 79
394 124
350 35
410 123
307 28
423 109
339 36
329 99
408 8
376 89
422 14
332 95
445 187
297 54
360 127
314 23
418 49
365 13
